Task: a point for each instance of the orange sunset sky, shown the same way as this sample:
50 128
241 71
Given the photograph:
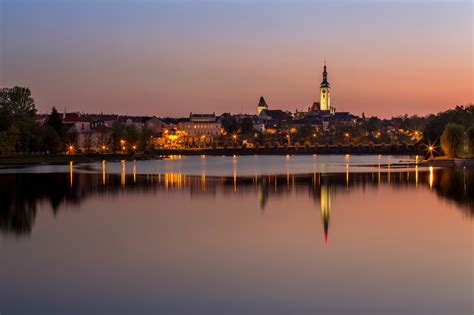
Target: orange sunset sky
169 58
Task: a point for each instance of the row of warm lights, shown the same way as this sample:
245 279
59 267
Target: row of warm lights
71 149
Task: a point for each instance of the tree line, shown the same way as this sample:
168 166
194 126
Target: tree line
20 131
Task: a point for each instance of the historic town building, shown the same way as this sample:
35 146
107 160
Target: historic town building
324 104
200 128
262 105
325 92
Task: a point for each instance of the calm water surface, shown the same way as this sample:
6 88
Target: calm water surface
245 235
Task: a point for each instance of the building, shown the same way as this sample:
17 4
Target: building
200 129
138 121
157 125
262 105
275 115
325 93
76 123
95 140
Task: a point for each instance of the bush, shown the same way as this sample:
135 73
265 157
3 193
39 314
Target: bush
452 140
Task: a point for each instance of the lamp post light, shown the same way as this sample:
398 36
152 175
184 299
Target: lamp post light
122 145
431 149
70 149
289 139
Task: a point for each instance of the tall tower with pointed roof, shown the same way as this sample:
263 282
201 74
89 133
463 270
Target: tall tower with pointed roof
325 93
262 105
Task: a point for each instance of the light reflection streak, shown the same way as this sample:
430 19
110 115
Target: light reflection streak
378 170
134 171
388 170
431 177
325 210
70 173
103 172
234 165
122 173
416 176
203 172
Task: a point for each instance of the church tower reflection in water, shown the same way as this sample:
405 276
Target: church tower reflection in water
325 209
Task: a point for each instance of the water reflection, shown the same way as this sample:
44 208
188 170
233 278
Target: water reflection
325 210
20 194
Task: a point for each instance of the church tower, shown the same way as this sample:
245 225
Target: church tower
325 94
262 105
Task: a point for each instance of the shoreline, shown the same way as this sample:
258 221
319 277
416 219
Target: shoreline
60 159
160 154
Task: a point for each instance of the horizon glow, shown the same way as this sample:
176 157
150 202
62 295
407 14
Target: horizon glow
170 58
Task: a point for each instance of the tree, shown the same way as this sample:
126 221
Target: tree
229 124
15 103
118 133
470 139
246 126
132 134
50 139
436 124
452 140
305 131
17 111
55 121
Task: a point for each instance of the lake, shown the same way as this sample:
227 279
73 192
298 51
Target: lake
237 235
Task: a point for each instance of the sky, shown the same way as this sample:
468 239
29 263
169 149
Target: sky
170 58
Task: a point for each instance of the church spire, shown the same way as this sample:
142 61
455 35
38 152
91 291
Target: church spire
262 105
325 96
325 82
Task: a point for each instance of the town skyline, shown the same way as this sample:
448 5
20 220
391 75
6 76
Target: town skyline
221 57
